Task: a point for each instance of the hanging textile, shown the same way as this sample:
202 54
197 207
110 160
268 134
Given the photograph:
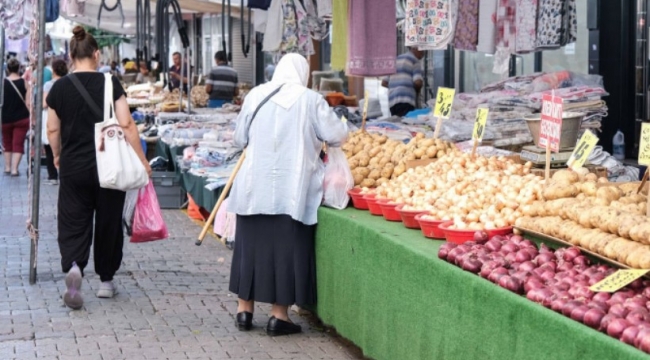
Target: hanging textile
573 21
324 7
51 10
372 41
316 23
73 7
339 34
466 36
273 34
487 14
526 35
506 30
430 24
288 30
15 16
552 23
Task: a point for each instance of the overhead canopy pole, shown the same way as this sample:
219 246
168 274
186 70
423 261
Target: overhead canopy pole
38 112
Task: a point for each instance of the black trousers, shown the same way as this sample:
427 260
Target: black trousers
52 173
401 109
83 207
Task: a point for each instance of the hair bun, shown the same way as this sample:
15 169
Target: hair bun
79 33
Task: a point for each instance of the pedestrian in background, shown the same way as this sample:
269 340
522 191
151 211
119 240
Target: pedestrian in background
274 256
222 82
15 117
83 204
59 70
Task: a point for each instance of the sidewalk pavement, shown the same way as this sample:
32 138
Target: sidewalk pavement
173 300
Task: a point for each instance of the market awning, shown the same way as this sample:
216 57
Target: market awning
112 20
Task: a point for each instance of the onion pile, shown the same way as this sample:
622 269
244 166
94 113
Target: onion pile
558 280
476 193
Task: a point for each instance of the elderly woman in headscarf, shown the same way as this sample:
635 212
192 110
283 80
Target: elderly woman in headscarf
276 194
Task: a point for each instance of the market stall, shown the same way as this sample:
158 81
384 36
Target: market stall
383 287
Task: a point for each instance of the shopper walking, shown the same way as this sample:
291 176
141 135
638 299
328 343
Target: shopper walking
83 204
277 192
15 118
404 87
59 69
222 82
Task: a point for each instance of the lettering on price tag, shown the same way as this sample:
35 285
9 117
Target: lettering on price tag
480 123
617 280
582 151
365 103
551 124
644 146
444 101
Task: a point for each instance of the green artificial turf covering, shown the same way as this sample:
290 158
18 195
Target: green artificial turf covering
383 287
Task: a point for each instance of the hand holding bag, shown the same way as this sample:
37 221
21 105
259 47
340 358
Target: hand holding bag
118 166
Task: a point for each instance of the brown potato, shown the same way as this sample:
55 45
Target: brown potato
566 176
358 178
368 183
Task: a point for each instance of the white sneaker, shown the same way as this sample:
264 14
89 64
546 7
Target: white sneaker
106 290
72 297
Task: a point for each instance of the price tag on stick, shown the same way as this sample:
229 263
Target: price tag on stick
365 110
442 110
644 144
550 126
582 151
617 280
479 127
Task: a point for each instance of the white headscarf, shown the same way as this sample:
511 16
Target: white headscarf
293 72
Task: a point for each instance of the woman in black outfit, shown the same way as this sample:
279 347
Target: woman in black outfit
15 117
83 204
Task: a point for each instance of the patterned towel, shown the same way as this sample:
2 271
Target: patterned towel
466 37
430 24
372 42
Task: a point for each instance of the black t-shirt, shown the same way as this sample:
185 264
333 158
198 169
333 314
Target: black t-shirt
78 120
14 108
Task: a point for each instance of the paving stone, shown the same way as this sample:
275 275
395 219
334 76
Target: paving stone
173 300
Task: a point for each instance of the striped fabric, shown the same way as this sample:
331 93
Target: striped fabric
400 85
224 82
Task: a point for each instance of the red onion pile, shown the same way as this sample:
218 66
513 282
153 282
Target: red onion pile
558 280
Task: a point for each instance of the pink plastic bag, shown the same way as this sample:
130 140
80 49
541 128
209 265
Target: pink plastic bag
148 224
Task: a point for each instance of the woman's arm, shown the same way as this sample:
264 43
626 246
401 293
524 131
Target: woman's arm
130 130
44 100
54 134
329 128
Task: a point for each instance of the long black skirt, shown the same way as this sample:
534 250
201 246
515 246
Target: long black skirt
274 260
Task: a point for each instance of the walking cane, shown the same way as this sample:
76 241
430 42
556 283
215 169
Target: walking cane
225 191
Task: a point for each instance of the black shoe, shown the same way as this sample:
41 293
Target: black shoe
244 321
277 327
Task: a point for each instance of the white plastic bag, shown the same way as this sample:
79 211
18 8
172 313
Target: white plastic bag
118 166
338 180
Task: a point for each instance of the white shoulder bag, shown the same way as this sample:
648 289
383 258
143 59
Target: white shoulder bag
118 166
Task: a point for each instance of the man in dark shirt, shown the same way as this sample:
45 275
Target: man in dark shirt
222 82
175 73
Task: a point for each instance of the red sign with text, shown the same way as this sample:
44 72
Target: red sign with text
551 125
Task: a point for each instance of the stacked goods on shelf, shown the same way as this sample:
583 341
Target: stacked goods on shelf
606 219
558 280
475 193
374 159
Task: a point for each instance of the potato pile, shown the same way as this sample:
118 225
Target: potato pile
374 159
598 216
476 193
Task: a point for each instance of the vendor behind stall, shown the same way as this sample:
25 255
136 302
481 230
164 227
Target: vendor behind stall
404 87
175 73
222 82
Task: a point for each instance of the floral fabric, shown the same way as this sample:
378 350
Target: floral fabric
296 31
15 17
553 23
526 37
487 14
430 24
466 36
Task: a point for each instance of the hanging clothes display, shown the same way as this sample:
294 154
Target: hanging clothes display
259 4
430 24
466 36
526 35
339 34
273 33
573 21
288 29
15 17
552 23
73 7
487 14
324 7
506 30
372 42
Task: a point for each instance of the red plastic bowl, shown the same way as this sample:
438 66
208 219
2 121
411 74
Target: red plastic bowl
430 228
357 199
374 208
463 236
408 216
388 210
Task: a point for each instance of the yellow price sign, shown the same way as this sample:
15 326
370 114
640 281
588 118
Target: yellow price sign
582 151
617 280
365 103
644 146
444 101
480 123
